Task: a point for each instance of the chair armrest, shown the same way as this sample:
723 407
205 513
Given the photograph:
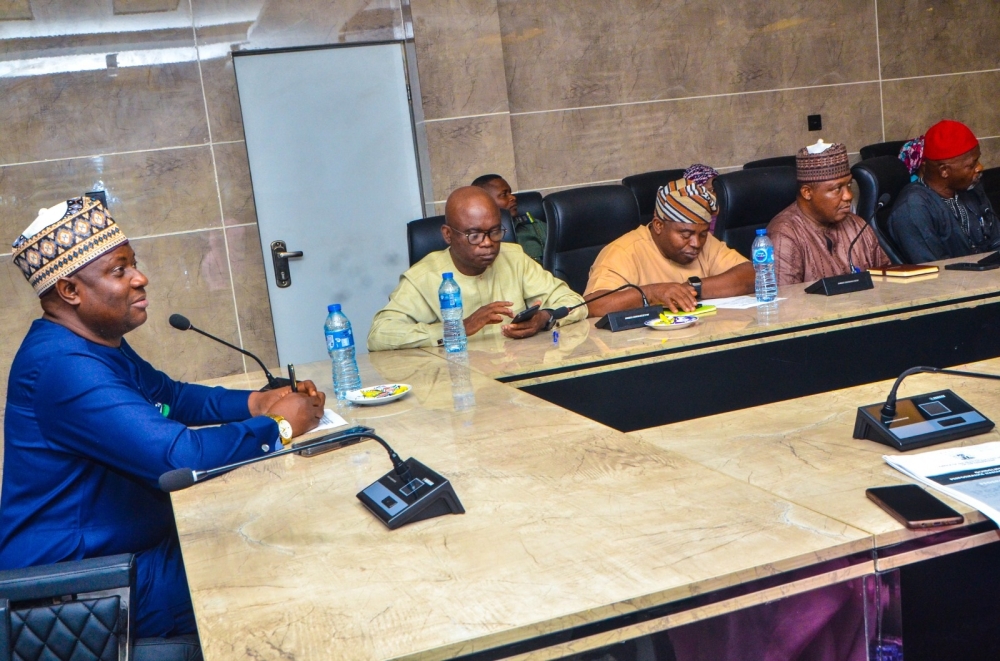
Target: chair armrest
73 577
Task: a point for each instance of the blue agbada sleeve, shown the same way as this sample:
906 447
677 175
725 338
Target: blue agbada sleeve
100 412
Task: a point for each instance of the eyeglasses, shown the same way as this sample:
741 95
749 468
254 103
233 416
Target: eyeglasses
475 237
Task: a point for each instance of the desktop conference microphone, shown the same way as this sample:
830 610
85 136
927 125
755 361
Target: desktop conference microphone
560 312
622 320
182 323
882 201
922 420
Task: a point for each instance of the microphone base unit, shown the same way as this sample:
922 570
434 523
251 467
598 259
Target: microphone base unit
426 496
278 382
629 319
842 284
920 421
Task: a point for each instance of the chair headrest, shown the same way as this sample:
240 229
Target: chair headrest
645 186
753 197
589 216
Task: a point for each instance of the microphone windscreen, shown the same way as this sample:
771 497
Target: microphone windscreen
180 322
883 199
559 313
177 479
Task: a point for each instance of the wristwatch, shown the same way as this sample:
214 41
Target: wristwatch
695 282
550 324
284 428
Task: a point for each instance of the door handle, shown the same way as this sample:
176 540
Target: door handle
280 256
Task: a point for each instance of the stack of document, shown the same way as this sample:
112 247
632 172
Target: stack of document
969 474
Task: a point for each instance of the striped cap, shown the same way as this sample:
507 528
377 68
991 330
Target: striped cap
832 163
684 201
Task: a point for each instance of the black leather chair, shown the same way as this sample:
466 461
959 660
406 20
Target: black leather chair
581 221
875 176
423 236
890 148
773 162
748 200
531 202
77 611
991 185
645 186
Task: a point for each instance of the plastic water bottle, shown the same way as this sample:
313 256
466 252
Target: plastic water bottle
450 296
340 346
766 282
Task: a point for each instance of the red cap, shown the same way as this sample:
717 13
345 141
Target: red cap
948 139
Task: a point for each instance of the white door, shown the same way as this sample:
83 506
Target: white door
330 140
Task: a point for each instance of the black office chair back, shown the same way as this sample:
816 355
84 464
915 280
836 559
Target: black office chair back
875 176
748 200
423 236
531 202
581 221
773 162
991 185
890 148
645 186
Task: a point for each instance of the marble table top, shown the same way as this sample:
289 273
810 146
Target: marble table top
581 344
567 522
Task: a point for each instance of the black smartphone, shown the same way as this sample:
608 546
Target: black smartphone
308 451
971 266
913 506
524 315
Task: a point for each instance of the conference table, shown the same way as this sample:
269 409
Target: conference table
576 535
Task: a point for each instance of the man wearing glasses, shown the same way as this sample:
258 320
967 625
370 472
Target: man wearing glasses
498 280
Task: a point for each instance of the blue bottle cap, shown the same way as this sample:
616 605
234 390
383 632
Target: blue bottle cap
333 307
448 276
762 231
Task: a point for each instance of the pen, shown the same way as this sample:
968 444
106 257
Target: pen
291 377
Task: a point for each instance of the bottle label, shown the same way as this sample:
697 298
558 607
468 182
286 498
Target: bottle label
342 339
450 301
763 255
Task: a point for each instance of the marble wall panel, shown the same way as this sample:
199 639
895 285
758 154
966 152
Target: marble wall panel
252 301
290 23
156 192
21 307
572 147
459 57
144 6
15 10
913 105
462 149
189 274
924 37
990 148
221 98
95 112
574 53
235 189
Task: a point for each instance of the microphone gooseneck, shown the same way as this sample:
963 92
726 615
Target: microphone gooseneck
182 323
882 201
182 478
889 408
560 312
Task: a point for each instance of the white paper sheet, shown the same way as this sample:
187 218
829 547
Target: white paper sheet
330 420
969 474
736 302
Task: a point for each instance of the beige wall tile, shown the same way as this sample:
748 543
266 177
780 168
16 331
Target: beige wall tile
462 149
991 152
252 301
234 184
155 192
573 53
459 57
92 112
567 148
221 98
15 10
189 274
912 106
924 37
144 6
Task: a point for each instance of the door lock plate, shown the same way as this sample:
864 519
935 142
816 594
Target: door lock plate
280 257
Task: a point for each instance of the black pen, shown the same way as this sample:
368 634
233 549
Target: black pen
291 377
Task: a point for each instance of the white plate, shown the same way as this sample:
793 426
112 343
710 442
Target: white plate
676 323
375 395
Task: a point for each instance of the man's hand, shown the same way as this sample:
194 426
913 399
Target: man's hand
488 314
527 328
260 402
675 296
301 410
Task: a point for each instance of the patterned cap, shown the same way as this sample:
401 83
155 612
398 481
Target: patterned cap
684 201
828 164
63 239
700 174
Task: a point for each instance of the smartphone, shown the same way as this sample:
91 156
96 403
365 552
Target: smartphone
308 451
971 266
524 315
913 507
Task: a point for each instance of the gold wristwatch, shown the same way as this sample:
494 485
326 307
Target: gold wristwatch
284 428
